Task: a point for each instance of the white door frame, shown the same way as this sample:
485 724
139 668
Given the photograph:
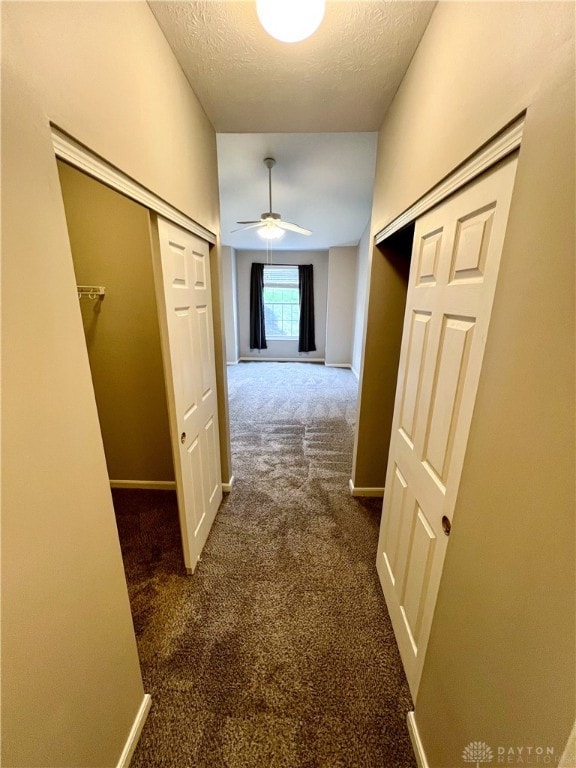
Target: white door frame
503 144
74 153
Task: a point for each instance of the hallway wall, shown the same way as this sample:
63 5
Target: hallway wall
341 304
362 275
230 300
103 72
501 657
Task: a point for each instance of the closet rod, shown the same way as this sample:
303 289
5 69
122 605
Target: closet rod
92 291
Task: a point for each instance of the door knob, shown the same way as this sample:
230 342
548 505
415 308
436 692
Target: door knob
446 525
183 437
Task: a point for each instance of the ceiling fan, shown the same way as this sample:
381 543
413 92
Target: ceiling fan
271 226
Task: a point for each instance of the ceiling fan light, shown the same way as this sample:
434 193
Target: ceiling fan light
270 232
290 20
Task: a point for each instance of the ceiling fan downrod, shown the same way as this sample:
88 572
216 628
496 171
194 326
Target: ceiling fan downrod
269 162
270 225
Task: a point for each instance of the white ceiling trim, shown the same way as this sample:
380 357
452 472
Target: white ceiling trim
76 154
495 150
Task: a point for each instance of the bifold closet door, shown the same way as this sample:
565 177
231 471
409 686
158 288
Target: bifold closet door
453 273
182 269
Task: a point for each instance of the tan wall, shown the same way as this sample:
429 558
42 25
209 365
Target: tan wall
500 663
360 302
388 267
216 279
340 304
110 241
71 684
230 299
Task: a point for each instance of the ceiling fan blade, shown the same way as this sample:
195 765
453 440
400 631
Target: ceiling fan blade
293 227
249 222
250 226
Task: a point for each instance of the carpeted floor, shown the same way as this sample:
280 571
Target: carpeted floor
278 652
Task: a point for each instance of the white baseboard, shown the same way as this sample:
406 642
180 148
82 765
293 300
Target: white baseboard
338 365
355 372
417 745
281 359
135 732
227 487
234 362
374 492
147 485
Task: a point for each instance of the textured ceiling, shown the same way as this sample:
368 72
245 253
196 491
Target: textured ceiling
343 78
312 105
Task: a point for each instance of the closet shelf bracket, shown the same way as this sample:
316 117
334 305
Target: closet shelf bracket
92 291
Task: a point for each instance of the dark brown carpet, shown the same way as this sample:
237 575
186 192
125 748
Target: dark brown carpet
278 652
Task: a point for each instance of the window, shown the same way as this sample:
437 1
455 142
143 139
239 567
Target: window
281 302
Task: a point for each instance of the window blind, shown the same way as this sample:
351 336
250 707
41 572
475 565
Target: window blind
280 276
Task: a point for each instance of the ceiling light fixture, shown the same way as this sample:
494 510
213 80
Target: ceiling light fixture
290 20
271 231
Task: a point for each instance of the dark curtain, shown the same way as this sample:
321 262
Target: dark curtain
257 327
306 342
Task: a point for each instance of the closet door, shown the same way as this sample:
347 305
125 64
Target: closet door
453 273
182 270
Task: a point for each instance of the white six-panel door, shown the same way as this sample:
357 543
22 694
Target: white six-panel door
453 273
185 311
